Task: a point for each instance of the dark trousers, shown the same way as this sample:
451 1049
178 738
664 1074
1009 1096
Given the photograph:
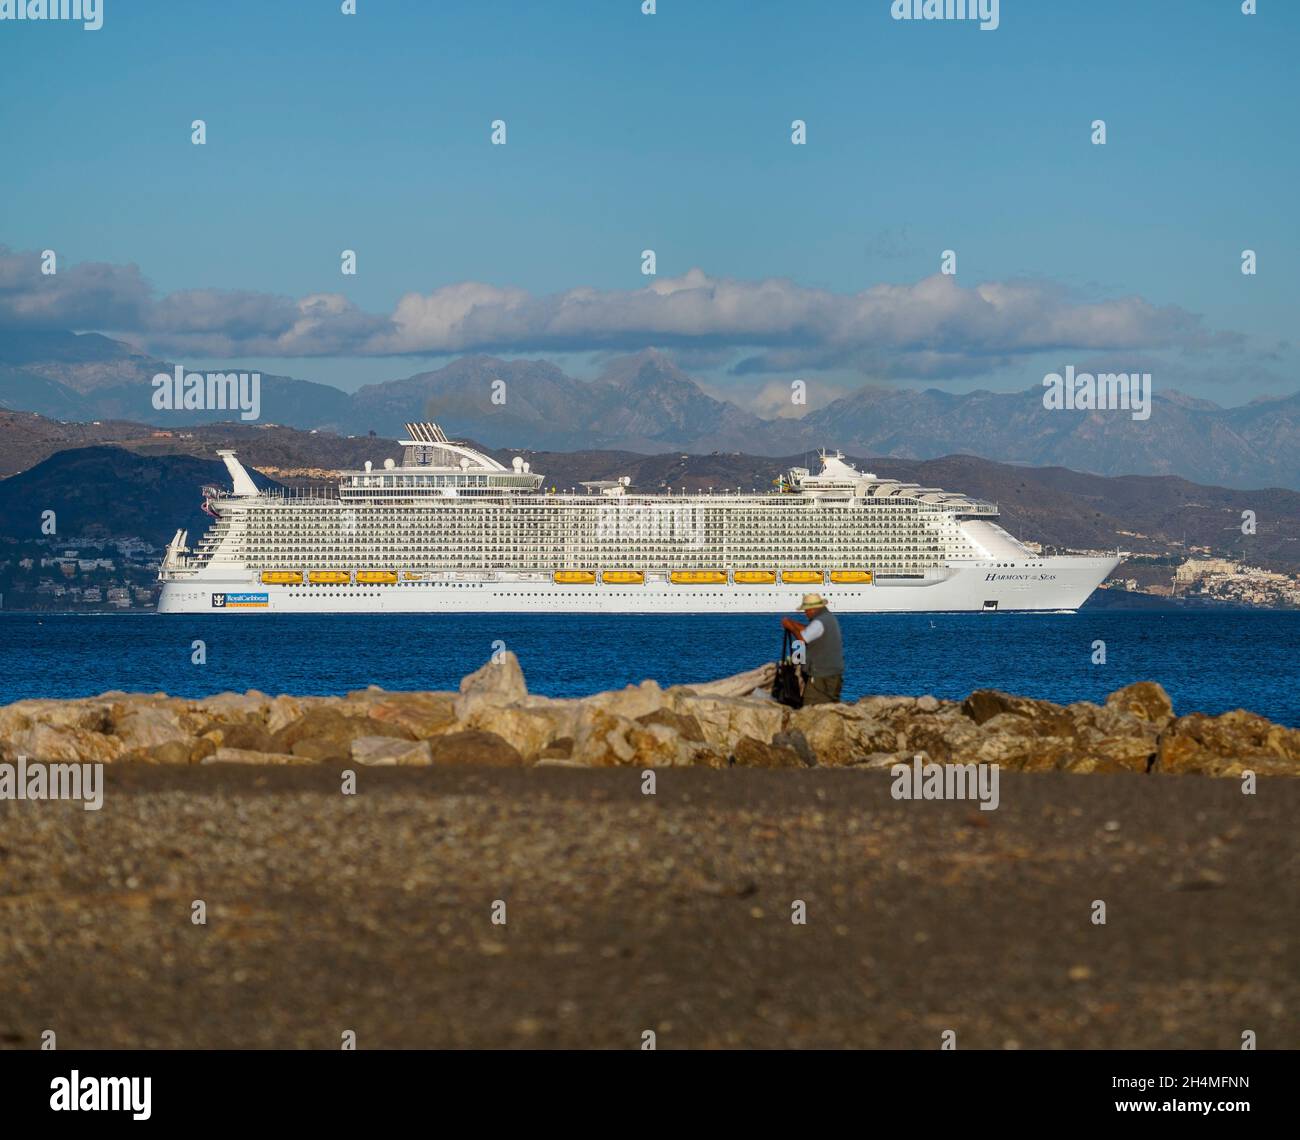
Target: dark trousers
823 690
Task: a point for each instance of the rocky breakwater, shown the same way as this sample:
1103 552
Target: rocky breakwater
494 720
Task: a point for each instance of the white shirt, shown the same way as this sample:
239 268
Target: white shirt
813 630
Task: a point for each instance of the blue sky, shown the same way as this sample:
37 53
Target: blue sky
672 132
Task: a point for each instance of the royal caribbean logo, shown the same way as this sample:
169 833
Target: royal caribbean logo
239 601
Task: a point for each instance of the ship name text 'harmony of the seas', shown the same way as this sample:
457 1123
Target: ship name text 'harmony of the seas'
450 529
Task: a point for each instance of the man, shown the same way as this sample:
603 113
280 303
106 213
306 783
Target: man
824 665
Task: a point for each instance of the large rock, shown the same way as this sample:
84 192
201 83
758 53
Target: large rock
840 735
391 751
604 739
422 715
724 720
325 733
1114 754
685 725
499 682
633 702
147 728
251 756
1229 744
527 727
248 735
60 743
1021 751
242 707
1145 700
1044 717
751 753
473 749
942 735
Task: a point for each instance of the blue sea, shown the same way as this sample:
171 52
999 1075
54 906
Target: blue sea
1208 661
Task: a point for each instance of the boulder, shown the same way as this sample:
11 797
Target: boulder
1145 700
473 748
751 753
1228 744
885 707
530 727
1022 743
237 707
145 726
942 738
282 711
325 733
685 725
840 735
251 756
499 682
57 743
561 749
723 720
1046 718
391 751
604 739
422 715
633 702
248 735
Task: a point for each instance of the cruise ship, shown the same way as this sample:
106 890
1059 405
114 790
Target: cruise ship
451 530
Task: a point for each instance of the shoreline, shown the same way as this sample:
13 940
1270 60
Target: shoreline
494 721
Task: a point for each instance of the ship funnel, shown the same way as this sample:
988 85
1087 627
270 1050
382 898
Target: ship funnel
243 485
427 432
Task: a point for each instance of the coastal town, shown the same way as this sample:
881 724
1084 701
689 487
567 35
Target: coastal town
1207 580
57 576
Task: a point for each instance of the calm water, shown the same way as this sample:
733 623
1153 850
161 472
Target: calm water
1208 662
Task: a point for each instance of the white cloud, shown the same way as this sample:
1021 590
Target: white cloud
933 327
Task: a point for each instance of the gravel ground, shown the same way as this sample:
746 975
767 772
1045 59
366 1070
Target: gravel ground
627 912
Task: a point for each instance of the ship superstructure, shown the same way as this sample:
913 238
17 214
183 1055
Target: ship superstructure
450 529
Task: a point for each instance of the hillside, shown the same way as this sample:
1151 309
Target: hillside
645 403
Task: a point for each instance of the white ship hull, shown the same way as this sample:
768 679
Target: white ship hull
1062 583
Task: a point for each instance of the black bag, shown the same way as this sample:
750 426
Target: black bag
787 686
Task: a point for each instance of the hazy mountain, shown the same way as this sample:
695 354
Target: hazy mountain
31 392
82 362
1254 445
495 401
86 376
644 403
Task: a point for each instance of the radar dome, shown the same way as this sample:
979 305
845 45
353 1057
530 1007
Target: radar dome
389 464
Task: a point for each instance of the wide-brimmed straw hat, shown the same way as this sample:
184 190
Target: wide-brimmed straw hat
812 602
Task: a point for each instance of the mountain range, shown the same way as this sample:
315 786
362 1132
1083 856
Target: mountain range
645 403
